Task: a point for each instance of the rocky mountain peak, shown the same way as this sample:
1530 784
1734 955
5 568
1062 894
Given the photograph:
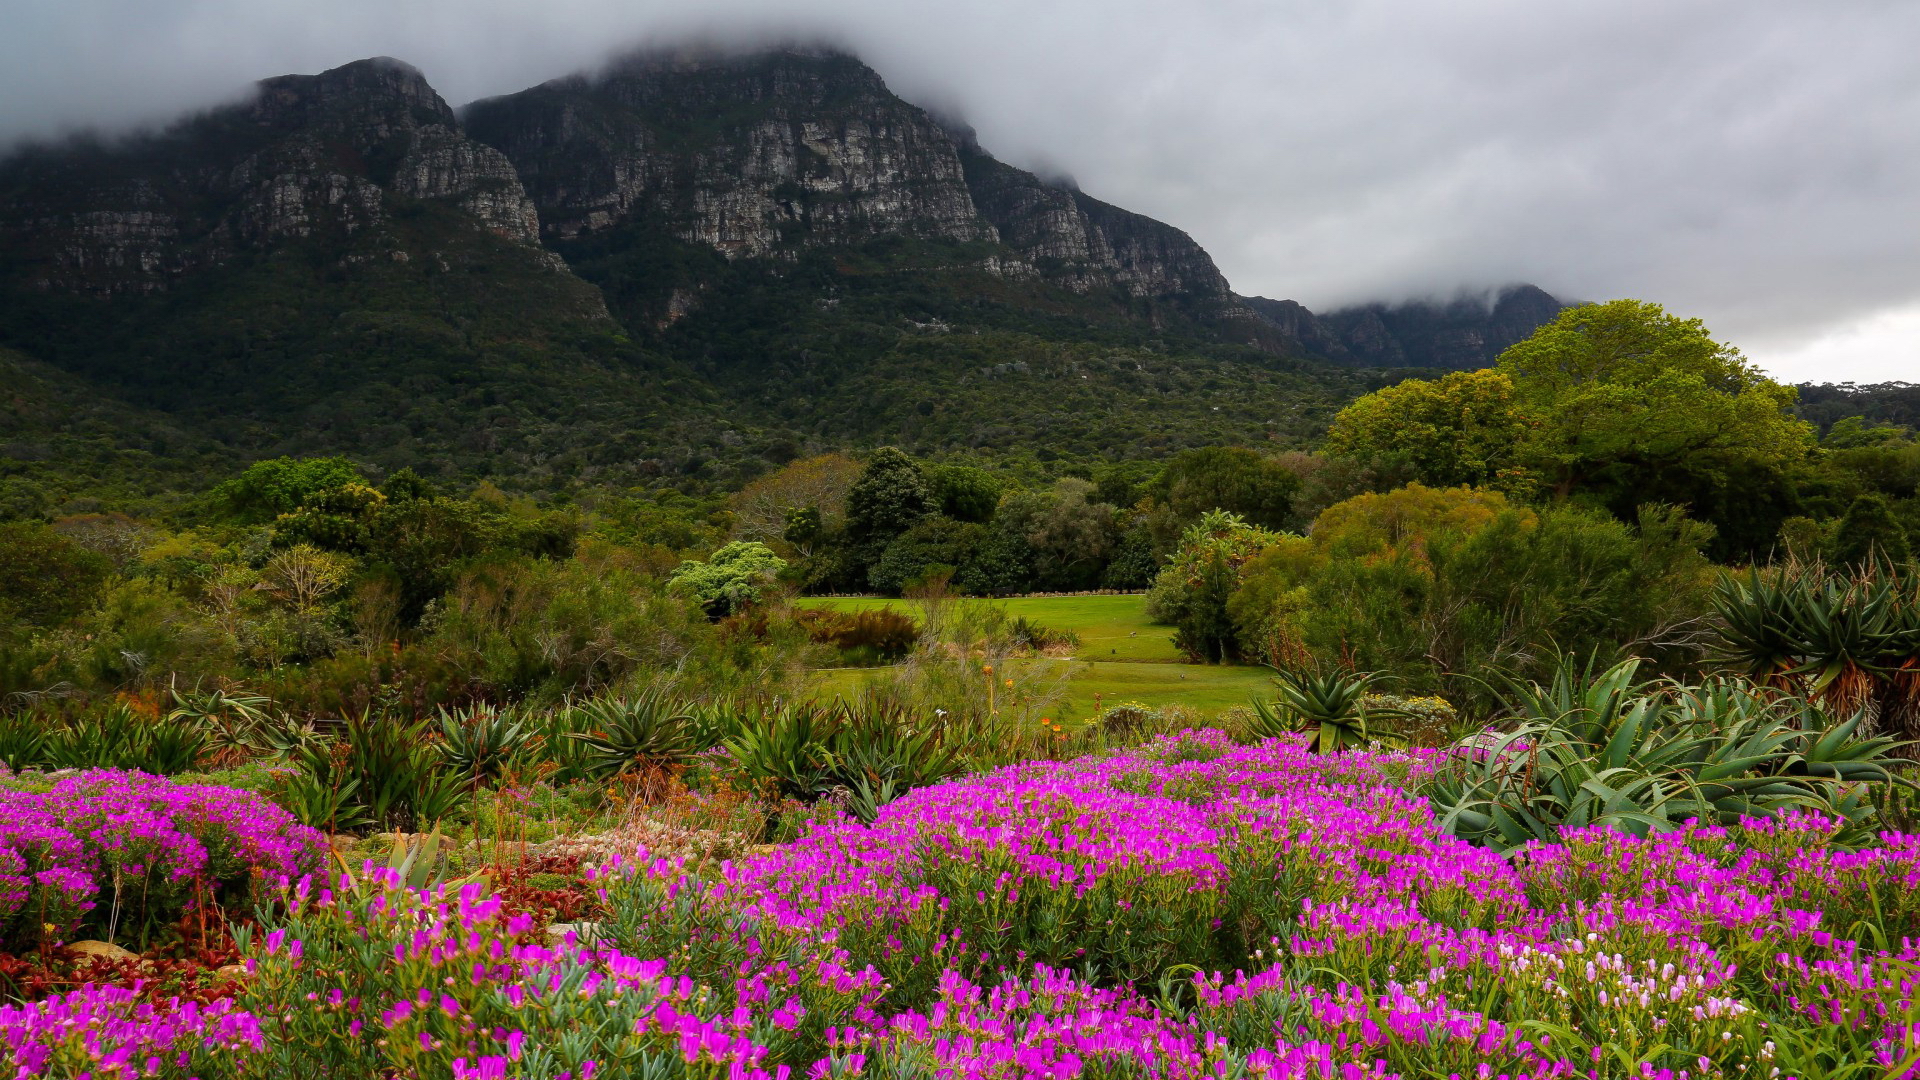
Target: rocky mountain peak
367 99
764 154
309 157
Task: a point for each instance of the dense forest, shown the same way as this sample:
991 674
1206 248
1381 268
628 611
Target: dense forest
1581 497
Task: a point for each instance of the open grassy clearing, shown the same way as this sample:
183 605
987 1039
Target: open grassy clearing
1122 655
1206 687
1111 628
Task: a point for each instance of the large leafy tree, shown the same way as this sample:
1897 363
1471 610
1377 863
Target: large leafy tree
1462 428
890 497
1631 403
762 509
1230 478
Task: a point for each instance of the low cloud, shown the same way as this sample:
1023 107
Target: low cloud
1752 163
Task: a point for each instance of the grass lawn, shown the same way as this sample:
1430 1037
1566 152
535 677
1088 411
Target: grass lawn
1122 656
1206 687
1112 628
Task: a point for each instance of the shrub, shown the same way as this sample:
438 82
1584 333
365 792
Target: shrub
622 735
380 772
881 633
736 577
868 755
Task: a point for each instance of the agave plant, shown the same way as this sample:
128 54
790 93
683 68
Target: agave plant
23 741
1331 705
481 744
1851 641
867 754
783 747
389 773
417 861
1603 749
232 716
879 754
621 735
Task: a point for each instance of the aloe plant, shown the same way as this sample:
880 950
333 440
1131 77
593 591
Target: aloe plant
620 735
1331 705
1852 641
1604 749
480 744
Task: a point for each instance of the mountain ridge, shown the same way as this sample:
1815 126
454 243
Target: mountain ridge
678 267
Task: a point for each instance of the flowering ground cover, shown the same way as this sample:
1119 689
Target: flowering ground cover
120 853
1190 908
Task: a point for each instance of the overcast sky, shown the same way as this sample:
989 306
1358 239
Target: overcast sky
1755 163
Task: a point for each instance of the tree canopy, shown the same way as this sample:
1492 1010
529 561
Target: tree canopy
1622 394
1462 428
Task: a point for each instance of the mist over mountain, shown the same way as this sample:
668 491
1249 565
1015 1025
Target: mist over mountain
689 263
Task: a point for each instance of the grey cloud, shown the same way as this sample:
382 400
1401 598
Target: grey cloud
1752 162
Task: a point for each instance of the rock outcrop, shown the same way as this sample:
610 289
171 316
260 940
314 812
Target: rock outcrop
307 156
763 154
745 154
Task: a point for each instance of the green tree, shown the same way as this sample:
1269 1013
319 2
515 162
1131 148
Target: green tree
1631 403
732 579
1072 537
965 493
282 485
1870 531
1460 429
1230 478
936 543
1853 432
46 578
1193 592
890 497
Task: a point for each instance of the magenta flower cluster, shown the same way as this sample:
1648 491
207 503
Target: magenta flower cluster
155 845
1190 909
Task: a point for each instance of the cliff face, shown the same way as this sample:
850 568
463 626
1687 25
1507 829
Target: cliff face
323 156
747 155
766 154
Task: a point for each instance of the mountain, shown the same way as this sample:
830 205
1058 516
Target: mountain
772 154
682 268
1463 334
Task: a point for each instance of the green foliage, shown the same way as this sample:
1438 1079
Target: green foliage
1870 533
1462 428
283 485
379 772
481 744
865 755
1435 588
632 734
880 633
1598 748
731 580
1193 591
965 493
890 497
46 578
1848 640
1632 404
1335 705
112 735
936 545
1230 478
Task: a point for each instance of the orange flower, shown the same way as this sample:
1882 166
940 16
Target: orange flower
988 670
